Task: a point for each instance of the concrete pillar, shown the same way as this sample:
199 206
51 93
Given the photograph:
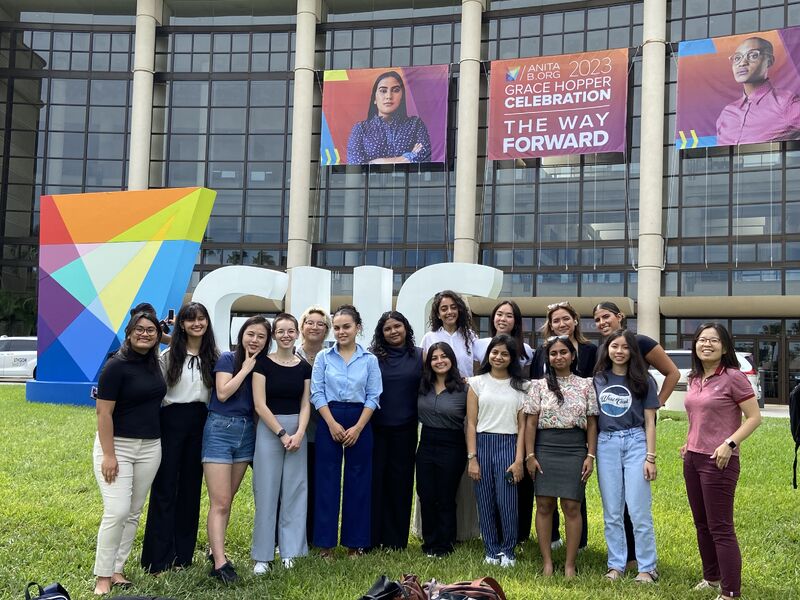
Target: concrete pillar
148 15
309 13
651 241
465 247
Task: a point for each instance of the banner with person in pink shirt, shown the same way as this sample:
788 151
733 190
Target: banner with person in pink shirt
739 89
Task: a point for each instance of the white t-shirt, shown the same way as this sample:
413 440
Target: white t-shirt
190 387
498 404
456 341
480 346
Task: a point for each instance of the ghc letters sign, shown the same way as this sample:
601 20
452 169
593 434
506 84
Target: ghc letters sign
557 105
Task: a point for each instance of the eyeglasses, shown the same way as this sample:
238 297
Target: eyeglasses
144 331
712 341
556 338
314 324
750 55
282 332
564 304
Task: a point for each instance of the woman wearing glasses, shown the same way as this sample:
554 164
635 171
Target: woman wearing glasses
560 446
315 324
719 393
564 320
127 448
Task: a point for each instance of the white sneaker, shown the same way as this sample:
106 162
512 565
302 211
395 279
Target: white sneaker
557 544
706 585
287 563
261 568
506 562
490 560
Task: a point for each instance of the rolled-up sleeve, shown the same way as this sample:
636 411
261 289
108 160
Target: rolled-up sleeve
374 387
318 397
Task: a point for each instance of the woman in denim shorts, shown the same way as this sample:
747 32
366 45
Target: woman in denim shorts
229 437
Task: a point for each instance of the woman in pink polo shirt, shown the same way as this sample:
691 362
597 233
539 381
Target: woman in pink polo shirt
718 394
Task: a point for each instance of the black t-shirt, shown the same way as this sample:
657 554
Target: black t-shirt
137 391
285 385
645 344
583 367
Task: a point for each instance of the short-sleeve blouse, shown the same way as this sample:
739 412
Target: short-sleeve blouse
580 402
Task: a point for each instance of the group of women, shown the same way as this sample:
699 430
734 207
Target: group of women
325 428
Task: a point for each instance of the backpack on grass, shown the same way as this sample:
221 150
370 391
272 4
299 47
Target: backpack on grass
794 424
54 591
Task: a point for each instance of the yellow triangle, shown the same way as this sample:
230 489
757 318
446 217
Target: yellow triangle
184 219
118 295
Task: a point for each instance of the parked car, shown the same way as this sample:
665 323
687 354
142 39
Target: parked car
683 360
18 357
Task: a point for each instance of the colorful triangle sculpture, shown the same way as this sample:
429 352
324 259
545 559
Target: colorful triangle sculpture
99 255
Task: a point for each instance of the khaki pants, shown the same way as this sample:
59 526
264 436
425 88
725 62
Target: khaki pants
123 499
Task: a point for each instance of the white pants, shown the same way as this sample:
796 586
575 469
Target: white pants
123 499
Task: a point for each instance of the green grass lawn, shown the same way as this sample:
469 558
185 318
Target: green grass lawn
50 509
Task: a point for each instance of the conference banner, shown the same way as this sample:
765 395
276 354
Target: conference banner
739 89
382 116
557 105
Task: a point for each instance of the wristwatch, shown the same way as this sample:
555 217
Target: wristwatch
281 433
472 455
731 443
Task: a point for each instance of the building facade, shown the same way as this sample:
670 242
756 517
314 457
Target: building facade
227 94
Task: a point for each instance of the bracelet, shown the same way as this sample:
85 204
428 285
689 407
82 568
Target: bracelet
592 456
652 454
531 455
650 460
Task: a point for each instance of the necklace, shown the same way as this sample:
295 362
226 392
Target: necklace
286 362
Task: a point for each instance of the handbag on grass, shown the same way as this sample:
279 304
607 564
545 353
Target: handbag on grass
383 589
484 588
54 591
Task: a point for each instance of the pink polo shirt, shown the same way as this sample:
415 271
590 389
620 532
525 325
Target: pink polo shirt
768 114
713 408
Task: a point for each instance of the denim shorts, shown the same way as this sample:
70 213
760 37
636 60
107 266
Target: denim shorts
228 440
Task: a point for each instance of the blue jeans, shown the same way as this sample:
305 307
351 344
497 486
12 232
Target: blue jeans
620 474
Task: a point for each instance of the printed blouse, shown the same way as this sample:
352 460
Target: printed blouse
579 403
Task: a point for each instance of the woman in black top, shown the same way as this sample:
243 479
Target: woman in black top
127 449
442 452
394 430
281 391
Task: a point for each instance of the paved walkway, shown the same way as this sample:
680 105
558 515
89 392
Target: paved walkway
775 410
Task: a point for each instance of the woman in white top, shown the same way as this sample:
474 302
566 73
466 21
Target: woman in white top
451 321
496 445
170 535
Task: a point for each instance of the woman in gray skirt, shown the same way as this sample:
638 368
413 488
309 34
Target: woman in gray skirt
560 446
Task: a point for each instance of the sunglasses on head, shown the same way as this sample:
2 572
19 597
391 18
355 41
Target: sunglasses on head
564 304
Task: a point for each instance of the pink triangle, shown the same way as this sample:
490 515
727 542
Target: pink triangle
54 256
84 249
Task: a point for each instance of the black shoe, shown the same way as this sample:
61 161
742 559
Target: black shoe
226 573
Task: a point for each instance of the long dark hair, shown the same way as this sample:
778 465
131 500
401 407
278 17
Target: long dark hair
549 373
463 324
402 111
151 357
728 360
518 382
239 354
516 331
612 308
177 348
637 377
452 381
379 346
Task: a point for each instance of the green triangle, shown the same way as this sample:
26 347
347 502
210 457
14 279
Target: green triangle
185 219
74 278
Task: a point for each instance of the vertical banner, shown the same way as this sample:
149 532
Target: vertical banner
380 116
739 89
557 105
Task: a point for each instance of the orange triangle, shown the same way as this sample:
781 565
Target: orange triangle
51 226
101 216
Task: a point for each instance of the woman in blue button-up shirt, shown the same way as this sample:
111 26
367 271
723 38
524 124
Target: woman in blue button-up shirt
345 387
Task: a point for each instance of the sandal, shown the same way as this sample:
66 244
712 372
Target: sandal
613 575
647 577
326 554
705 584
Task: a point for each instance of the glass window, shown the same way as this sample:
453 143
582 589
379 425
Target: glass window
262 230
756 283
561 285
68 91
226 147
189 93
267 120
229 93
108 91
704 283
106 118
228 120
189 120
106 145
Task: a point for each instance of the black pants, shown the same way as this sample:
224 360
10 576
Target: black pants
170 536
441 459
524 507
584 529
393 451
